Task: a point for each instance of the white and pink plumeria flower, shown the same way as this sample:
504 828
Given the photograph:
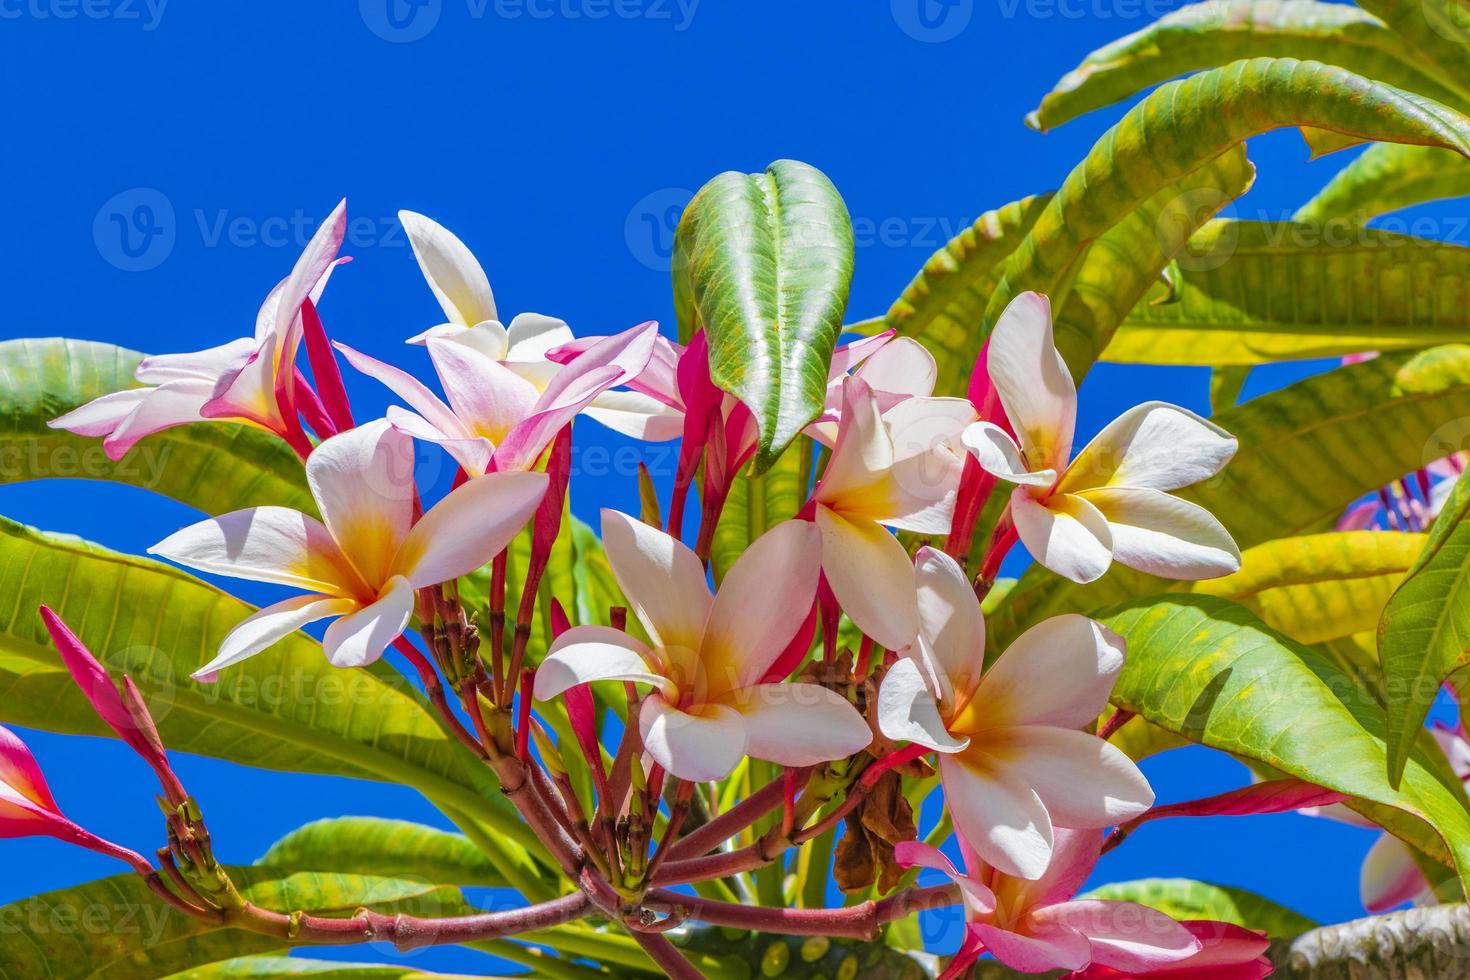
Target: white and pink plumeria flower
1111 503
896 469
494 419
363 561
1035 926
462 288
252 380
1013 760
712 702
895 368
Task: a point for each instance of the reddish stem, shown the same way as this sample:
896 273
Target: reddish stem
853 922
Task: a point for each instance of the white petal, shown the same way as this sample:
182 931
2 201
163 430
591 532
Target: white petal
168 405
1163 535
1059 672
204 365
360 638
472 454
799 724
697 747
487 396
100 416
764 599
902 366
468 528
1065 534
663 580
488 337
266 627
999 456
908 712
1155 445
1033 382
584 654
531 335
459 283
928 458
1084 781
637 416
871 575
263 544
863 454
950 622
363 483
1389 876
1003 819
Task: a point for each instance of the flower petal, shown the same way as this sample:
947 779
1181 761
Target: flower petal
410 389
663 580
1033 382
979 899
907 711
1084 781
19 771
531 336
1065 534
360 637
363 484
1042 947
1059 672
870 573
1002 818
1126 936
999 456
584 654
700 746
862 457
1156 446
168 405
799 724
1389 877
762 603
100 416
903 367
472 454
928 458
263 544
205 365
950 623
468 528
315 263
637 416
456 278
264 628
1163 535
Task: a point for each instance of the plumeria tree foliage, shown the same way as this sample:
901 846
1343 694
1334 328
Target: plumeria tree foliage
683 736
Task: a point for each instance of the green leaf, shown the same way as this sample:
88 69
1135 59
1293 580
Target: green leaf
270 967
1180 128
1208 35
1254 292
763 263
758 503
1208 670
213 466
1226 384
1424 635
1437 30
1387 177
115 929
1183 899
395 848
285 709
1306 452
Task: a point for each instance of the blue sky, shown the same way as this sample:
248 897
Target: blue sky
559 139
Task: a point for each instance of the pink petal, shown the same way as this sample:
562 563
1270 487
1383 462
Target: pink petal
863 455
316 261
584 654
363 483
266 627
637 416
168 405
359 638
1002 818
489 398
1389 877
1126 936
19 771
1065 534
100 416
1059 672
325 370
249 391
901 367
204 365
950 622
99 688
472 453
456 278
698 746
468 528
870 573
1033 382
1273 796
848 356
799 724
663 580
411 390
1042 946
979 899
264 544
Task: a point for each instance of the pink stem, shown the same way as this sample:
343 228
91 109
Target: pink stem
853 922
744 814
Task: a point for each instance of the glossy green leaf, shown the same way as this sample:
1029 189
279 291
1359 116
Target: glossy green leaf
1437 30
1306 452
1208 670
763 263
271 967
1226 384
1183 899
1252 292
115 929
286 708
1208 35
756 504
1184 125
394 848
1424 635
1387 177
214 466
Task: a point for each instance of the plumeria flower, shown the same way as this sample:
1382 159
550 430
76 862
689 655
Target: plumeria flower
496 420
710 655
1034 926
1390 876
27 808
1111 503
895 368
460 285
362 562
1013 761
900 469
1228 952
251 380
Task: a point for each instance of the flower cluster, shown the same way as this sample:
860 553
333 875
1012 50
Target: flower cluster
713 676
